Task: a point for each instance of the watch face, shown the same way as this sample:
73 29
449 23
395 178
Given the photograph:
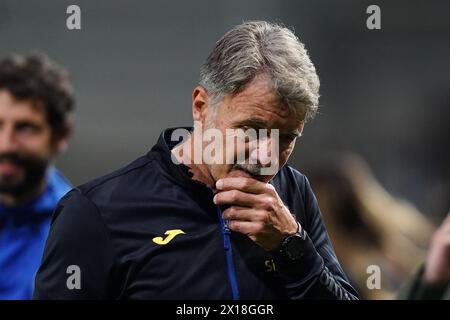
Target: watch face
294 247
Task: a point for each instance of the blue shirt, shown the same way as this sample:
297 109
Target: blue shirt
23 231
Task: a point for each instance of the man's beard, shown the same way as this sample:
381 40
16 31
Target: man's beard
33 172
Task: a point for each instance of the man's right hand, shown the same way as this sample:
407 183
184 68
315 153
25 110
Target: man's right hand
437 266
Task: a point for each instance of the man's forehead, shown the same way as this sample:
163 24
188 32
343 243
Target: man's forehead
11 106
259 100
259 93
261 111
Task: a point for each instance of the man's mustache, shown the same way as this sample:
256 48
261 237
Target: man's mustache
15 158
252 169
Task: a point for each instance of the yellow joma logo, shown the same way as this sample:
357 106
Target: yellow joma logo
170 235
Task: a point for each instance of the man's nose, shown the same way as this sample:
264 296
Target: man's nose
8 142
262 153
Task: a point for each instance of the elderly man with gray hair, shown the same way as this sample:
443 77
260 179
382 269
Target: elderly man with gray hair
213 211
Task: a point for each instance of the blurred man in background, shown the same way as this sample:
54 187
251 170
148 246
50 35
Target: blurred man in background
36 101
368 226
433 279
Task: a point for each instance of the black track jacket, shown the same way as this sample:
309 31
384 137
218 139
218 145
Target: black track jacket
148 231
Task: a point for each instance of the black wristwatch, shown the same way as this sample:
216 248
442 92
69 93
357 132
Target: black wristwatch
293 245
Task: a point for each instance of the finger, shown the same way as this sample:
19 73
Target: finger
235 197
239 198
445 228
246 227
446 219
244 184
245 214
445 225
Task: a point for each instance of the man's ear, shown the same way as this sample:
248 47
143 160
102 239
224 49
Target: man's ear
200 104
60 142
301 127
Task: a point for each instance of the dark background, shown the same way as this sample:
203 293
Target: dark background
385 93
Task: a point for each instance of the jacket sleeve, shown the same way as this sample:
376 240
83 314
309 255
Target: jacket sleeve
78 257
318 274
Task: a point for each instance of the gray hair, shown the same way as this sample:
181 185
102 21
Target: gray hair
260 47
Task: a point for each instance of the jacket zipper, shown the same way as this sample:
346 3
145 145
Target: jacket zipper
229 255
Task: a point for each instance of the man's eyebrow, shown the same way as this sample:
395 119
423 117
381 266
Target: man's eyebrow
254 123
262 124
